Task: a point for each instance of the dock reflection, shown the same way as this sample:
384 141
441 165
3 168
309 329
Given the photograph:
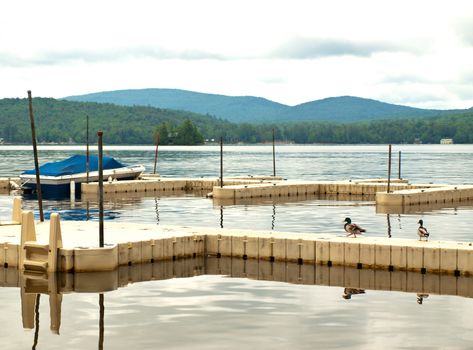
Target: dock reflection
353 281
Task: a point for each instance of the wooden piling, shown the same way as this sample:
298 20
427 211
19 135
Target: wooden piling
101 240
36 162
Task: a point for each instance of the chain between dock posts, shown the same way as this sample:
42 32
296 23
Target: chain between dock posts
100 134
399 166
274 157
221 161
389 168
36 162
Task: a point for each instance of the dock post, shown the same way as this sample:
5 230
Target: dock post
100 134
72 186
221 161
399 166
156 153
87 160
274 158
389 168
36 162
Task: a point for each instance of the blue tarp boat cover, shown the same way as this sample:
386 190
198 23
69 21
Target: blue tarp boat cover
75 165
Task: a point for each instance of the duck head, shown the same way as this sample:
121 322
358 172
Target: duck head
347 220
421 222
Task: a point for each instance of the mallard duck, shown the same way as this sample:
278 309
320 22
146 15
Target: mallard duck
422 231
352 229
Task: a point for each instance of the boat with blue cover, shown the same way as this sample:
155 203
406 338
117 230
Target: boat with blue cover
56 177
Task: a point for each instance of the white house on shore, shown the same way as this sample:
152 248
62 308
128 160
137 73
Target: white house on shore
446 141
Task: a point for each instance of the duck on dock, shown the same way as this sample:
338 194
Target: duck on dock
352 229
422 231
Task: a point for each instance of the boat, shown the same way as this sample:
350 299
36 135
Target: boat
56 177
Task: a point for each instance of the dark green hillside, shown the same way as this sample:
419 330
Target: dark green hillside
351 109
235 109
248 109
64 121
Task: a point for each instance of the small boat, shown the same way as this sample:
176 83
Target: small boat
56 177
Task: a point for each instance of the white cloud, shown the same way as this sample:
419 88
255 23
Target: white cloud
417 53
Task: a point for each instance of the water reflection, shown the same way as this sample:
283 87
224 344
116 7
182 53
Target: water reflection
101 320
156 209
221 216
348 292
355 283
421 297
389 225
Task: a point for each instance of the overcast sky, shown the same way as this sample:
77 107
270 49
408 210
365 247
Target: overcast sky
417 53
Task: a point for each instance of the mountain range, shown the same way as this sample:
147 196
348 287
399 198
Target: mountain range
250 109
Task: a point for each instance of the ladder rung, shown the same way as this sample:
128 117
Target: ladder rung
35 265
34 244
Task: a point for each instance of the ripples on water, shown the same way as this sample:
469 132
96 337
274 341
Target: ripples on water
213 312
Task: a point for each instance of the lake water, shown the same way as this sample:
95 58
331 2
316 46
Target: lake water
216 312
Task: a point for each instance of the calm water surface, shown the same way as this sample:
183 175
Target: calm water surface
215 312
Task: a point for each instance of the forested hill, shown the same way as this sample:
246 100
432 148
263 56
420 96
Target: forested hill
251 109
65 121
61 121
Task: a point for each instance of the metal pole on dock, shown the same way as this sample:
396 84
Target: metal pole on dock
87 165
399 166
389 168
36 162
221 161
156 153
100 134
274 157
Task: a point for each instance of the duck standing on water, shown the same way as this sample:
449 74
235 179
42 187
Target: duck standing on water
422 231
352 229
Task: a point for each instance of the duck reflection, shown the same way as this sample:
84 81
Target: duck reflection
421 297
348 292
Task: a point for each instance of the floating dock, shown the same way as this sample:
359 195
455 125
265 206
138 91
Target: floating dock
157 184
402 195
130 244
9 183
433 195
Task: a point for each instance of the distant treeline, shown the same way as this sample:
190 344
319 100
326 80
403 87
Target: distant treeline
60 121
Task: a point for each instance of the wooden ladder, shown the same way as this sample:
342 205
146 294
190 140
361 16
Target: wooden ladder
39 257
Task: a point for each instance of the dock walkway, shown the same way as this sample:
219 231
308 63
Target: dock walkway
129 244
